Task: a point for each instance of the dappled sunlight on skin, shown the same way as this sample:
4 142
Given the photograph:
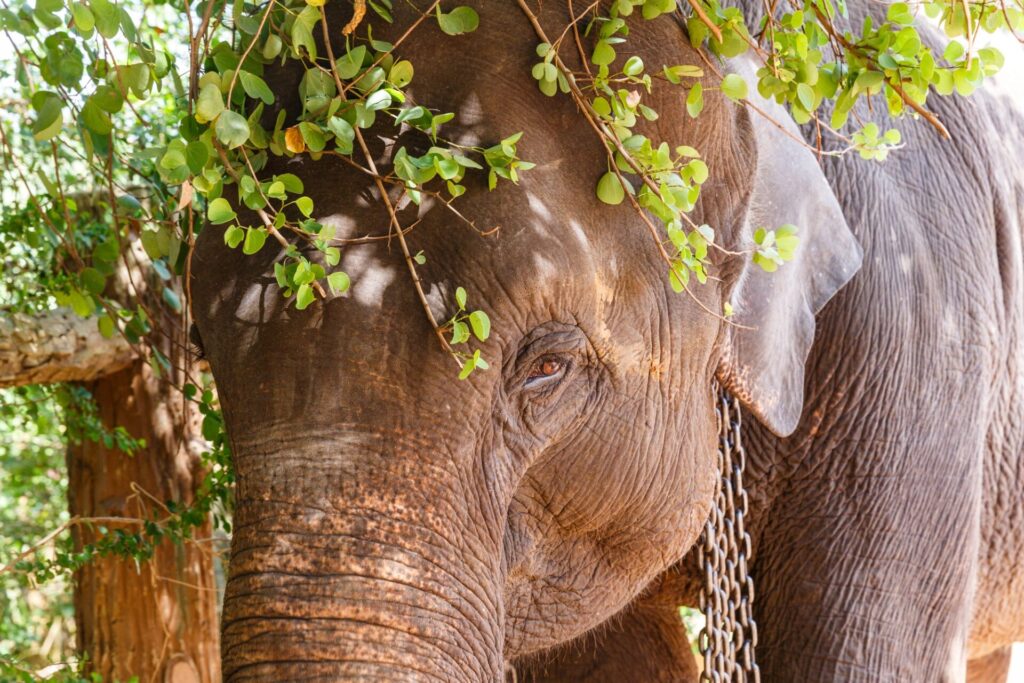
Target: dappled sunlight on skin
1017 665
370 276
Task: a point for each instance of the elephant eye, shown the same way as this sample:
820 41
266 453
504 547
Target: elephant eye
545 371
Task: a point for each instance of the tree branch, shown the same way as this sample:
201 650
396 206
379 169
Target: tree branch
57 346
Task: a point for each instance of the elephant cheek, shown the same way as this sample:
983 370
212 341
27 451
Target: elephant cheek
349 565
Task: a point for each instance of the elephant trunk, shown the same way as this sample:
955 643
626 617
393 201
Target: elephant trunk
355 563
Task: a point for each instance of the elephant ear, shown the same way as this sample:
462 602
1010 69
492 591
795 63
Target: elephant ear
763 362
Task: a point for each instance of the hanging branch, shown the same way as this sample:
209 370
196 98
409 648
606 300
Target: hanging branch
838 37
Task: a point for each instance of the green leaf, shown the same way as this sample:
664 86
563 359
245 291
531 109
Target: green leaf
610 190
786 241
604 53
291 182
468 368
93 280
401 73
678 276
899 13
302 32
313 136
232 129
233 236
108 250
460 298
481 325
256 87
172 299
108 99
954 51
272 48
135 77
460 20
209 104
255 238
84 19
220 211
380 99
49 119
344 134
81 304
695 101
304 297
698 171
460 333
339 282
276 190
734 87
805 94
95 119
305 205
196 154
350 63
676 73
634 66
868 79
106 326
108 18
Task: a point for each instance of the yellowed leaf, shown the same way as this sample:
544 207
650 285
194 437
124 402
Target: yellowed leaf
293 140
185 197
358 12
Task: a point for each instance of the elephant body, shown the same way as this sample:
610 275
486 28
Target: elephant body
888 530
395 524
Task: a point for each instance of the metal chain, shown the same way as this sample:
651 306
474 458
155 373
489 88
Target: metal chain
729 636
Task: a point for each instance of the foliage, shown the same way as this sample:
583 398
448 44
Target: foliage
128 129
183 142
36 619
37 624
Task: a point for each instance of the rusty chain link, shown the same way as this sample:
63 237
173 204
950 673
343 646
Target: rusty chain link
729 636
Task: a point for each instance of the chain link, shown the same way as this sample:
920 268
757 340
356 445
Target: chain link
729 636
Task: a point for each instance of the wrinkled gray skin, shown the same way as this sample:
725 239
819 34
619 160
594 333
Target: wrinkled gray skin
395 524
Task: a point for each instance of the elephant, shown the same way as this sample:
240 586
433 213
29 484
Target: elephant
395 523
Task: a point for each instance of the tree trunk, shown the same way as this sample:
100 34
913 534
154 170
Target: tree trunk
158 620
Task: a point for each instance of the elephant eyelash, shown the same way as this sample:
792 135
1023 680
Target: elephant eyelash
542 375
196 343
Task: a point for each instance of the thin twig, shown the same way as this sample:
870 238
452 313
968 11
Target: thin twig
252 44
268 223
703 16
409 262
606 135
398 42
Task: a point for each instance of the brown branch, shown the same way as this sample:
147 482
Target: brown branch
703 16
57 346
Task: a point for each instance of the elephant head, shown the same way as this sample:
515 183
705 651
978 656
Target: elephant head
393 522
